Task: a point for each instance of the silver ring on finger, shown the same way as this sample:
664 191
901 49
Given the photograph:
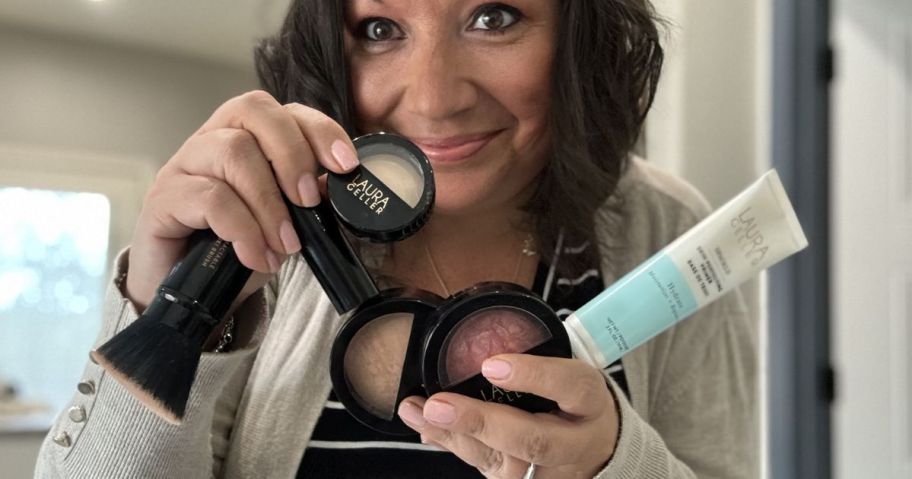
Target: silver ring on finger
530 472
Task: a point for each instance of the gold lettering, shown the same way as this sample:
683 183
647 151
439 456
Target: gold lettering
499 395
382 205
372 196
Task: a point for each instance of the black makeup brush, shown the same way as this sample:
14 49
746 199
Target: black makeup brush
156 357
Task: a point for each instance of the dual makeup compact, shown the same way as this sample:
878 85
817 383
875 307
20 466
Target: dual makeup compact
401 342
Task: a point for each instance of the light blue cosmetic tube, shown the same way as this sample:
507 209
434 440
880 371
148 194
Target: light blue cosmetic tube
750 233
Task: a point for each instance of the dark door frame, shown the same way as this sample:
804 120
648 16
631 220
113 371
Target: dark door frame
801 378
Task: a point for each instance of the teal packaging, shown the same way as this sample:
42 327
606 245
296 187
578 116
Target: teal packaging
750 233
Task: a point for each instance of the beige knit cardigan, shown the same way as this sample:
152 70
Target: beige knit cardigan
692 413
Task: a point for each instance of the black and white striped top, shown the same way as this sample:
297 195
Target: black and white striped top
342 448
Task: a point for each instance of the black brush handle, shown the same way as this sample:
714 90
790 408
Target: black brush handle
210 275
200 288
330 257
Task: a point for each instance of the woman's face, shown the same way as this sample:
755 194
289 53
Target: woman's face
467 80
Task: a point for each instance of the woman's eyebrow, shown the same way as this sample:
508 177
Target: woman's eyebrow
351 3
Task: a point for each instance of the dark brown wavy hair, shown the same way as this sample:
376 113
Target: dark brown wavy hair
606 66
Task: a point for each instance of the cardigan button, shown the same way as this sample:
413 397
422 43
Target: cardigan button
77 414
86 387
63 439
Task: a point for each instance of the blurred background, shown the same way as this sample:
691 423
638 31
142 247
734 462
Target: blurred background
95 95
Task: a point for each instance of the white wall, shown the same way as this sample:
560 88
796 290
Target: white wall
74 96
872 231
67 93
711 120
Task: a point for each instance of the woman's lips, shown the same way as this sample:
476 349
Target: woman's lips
454 148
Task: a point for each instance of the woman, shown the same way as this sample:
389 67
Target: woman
528 110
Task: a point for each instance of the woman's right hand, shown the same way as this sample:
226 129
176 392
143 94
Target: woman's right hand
227 177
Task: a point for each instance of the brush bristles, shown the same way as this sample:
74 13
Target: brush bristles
155 363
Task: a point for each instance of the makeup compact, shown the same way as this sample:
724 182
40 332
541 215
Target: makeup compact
483 321
405 342
409 342
376 357
376 354
386 198
389 196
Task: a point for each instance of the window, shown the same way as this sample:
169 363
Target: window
53 254
63 217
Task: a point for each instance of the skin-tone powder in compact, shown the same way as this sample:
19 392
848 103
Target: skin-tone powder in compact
408 342
376 357
372 375
483 321
404 178
389 196
376 354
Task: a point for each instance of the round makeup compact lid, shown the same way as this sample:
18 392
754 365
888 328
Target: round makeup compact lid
389 196
376 357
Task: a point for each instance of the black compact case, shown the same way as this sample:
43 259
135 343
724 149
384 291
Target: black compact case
388 374
381 414
386 198
519 305
390 195
396 344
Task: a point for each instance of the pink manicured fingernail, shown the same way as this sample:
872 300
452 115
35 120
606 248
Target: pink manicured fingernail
496 369
309 191
289 238
273 260
439 412
411 414
344 155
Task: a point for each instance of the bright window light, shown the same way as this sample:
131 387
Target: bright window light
53 254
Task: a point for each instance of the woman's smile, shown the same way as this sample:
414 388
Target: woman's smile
468 82
448 150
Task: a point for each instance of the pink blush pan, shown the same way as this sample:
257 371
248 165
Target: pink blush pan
489 332
482 321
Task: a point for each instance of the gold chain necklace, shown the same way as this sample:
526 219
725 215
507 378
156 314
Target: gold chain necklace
528 250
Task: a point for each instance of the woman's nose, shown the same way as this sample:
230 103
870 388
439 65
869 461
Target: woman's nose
439 83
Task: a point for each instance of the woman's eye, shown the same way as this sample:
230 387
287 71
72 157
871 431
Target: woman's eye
380 30
495 18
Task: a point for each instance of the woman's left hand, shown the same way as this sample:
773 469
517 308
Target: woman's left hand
501 441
